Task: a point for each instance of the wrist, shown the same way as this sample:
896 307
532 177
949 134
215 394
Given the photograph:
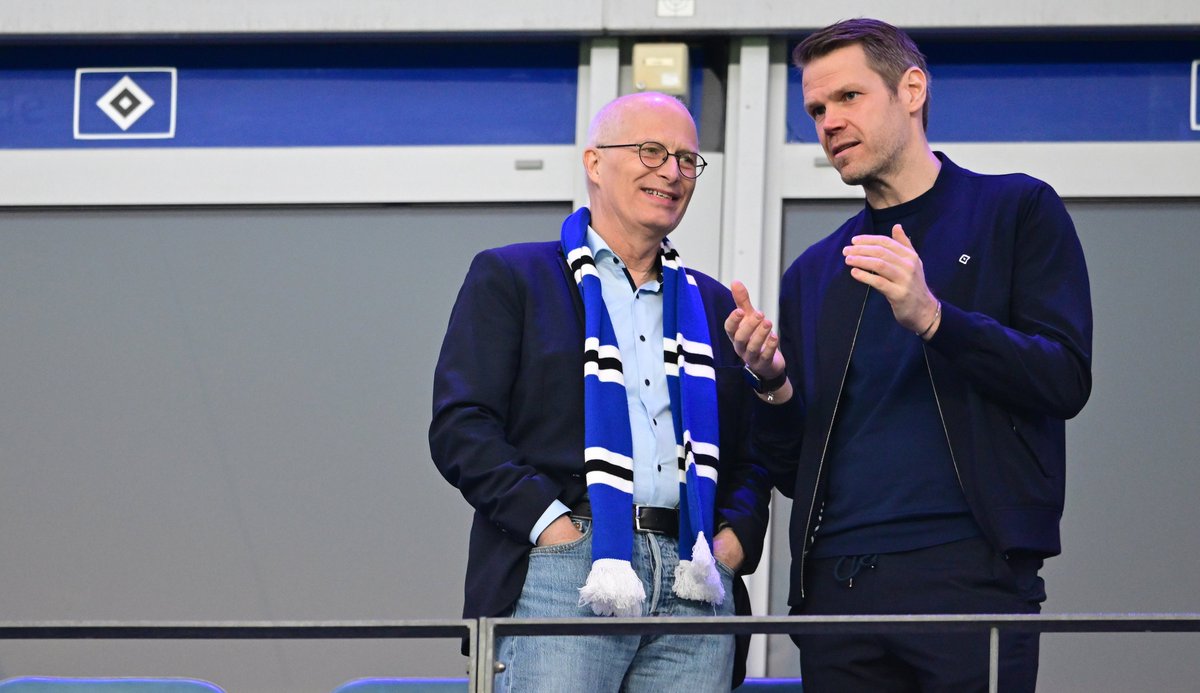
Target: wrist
764 385
933 322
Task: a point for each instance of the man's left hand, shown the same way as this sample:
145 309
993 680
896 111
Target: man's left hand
892 267
728 550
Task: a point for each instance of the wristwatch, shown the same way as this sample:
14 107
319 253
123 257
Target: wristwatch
763 387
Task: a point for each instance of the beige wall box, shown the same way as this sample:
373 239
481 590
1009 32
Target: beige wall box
661 67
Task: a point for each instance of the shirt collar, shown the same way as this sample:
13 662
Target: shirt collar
598 246
604 256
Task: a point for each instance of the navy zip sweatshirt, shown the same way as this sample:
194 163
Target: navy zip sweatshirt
1010 362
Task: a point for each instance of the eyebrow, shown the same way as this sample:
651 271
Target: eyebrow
837 93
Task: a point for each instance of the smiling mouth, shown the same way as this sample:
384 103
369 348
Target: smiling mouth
659 194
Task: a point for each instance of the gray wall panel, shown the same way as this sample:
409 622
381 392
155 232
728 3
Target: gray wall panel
222 415
1129 530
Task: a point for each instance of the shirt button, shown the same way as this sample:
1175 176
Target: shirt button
616 261
647 381
654 421
660 467
642 337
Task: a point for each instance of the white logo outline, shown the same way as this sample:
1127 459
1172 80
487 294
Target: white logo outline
1195 95
168 134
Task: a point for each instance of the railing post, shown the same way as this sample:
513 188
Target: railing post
994 661
485 666
472 655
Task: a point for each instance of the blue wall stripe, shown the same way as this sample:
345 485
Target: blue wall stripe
278 95
378 94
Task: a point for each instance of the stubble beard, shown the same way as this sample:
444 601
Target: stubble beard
885 166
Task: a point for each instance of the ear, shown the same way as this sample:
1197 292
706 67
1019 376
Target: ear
591 164
914 86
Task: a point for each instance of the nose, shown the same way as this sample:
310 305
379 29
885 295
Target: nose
670 169
832 121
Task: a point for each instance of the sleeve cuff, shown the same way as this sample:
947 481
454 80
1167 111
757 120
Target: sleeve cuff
779 416
556 509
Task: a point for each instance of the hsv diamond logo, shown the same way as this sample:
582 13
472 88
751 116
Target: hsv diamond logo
125 103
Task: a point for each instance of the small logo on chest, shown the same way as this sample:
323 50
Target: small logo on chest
964 259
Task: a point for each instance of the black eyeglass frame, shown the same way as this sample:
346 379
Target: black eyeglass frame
700 162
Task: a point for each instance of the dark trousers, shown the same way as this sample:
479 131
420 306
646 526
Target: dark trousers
962 577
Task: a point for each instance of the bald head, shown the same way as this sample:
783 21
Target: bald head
635 203
613 120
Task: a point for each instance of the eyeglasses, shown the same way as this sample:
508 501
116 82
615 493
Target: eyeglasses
655 154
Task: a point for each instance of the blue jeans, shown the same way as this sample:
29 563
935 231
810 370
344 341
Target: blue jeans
612 663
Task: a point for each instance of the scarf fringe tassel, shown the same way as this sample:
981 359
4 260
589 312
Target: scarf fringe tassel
698 578
613 589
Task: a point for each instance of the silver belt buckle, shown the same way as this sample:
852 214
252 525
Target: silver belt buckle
637 519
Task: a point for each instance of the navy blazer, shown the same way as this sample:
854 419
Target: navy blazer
507 426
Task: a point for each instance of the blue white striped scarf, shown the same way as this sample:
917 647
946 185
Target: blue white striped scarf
612 587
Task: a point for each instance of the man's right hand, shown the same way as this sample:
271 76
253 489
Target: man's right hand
752 338
756 344
561 531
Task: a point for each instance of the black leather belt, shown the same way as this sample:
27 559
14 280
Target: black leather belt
646 518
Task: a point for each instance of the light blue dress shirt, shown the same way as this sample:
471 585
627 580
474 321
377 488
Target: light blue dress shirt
637 319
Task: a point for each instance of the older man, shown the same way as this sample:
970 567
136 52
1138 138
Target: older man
934 344
589 408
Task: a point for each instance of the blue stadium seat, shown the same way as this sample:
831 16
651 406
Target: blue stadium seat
67 684
770 686
404 685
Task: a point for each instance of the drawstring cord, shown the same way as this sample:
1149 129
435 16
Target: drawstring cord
842 572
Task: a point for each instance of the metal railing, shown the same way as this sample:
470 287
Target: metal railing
481 635
491 628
